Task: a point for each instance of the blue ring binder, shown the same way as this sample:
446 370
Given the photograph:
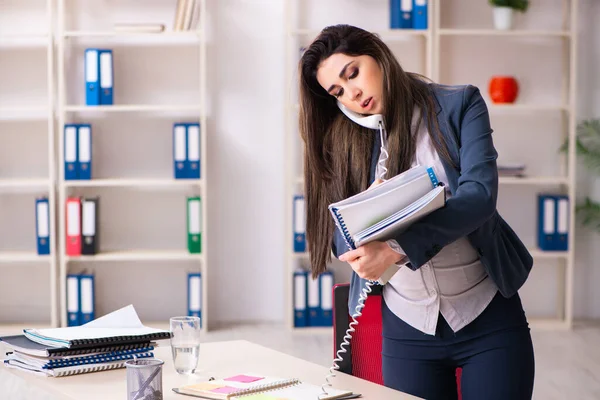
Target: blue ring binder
99 359
432 176
342 227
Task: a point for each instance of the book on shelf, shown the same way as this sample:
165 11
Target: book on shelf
186 15
390 207
139 28
515 170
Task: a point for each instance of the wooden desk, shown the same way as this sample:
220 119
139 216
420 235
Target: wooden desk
218 359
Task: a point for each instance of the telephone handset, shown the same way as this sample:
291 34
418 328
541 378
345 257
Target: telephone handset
374 121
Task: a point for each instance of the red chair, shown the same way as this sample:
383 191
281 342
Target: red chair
363 356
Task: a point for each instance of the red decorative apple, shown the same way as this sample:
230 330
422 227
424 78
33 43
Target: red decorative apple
503 89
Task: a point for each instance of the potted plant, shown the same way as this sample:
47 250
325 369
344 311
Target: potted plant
587 146
503 12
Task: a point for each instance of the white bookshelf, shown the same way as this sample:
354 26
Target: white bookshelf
142 254
551 33
27 140
451 31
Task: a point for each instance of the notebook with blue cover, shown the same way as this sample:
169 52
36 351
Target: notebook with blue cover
71 361
388 208
23 345
68 370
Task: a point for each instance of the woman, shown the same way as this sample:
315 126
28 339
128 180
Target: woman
453 302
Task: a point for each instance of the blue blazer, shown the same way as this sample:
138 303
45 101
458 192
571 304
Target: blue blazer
471 210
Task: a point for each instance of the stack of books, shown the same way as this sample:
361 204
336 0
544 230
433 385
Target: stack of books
514 170
103 344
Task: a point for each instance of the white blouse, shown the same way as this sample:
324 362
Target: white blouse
454 282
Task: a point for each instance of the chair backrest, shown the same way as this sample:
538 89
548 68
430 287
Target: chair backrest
363 356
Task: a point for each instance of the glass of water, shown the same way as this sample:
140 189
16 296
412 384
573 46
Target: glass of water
185 343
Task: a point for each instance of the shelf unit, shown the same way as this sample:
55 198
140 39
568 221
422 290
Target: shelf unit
565 36
139 259
432 39
25 119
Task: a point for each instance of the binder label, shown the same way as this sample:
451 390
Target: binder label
43 225
313 292
72 294
563 216
180 143
195 218
299 219
195 293
88 226
85 148
73 218
549 216
106 79
91 71
87 296
299 292
326 291
193 143
70 147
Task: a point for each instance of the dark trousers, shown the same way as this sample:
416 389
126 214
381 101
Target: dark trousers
494 351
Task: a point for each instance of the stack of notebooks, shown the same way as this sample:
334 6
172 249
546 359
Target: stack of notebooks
103 344
388 208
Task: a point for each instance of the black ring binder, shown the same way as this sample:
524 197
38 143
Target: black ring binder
118 340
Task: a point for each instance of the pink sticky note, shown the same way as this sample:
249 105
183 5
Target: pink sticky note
225 389
243 378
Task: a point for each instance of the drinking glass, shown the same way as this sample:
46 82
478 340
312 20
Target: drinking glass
185 343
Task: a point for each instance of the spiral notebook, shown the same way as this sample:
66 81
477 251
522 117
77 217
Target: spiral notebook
117 328
388 208
66 371
23 345
260 387
71 361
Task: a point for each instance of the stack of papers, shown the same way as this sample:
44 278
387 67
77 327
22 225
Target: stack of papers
388 208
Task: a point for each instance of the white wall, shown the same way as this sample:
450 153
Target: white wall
246 159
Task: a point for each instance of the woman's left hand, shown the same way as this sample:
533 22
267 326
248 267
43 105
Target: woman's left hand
371 260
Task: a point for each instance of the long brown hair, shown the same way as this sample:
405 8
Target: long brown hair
337 151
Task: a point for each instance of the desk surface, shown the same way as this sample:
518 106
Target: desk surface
217 359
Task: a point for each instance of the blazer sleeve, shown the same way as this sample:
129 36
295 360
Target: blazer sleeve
474 200
338 244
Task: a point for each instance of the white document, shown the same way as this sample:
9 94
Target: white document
400 221
388 206
123 322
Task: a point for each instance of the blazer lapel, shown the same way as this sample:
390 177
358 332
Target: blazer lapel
451 143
